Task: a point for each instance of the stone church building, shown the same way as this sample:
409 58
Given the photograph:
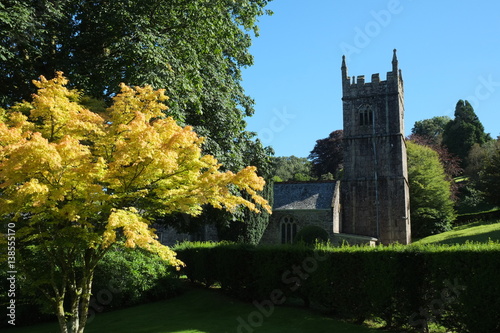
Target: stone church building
371 203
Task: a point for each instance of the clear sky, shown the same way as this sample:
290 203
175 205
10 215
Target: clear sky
447 50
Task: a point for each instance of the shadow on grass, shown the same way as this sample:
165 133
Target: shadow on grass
206 311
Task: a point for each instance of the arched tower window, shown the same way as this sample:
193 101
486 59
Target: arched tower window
365 115
288 229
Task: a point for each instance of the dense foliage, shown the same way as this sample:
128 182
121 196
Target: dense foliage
311 234
328 154
123 277
430 196
291 168
451 163
405 286
490 175
464 131
75 182
127 277
431 129
194 49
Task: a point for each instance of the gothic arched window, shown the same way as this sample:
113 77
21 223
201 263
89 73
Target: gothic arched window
288 229
365 115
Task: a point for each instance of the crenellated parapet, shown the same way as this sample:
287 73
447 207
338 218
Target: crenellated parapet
355 86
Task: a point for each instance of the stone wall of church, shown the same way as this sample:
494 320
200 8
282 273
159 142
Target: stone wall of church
302 218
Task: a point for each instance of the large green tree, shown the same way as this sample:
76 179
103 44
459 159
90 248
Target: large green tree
431 129
430 196
194 49
464 131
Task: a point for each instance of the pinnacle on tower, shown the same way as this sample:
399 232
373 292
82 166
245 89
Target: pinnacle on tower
344 69
394 63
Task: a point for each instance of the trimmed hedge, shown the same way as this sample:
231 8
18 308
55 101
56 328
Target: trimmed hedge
406 286
475 217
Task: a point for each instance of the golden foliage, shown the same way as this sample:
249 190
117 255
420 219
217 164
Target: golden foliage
66 166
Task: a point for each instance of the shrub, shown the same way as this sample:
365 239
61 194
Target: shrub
311 234
126 277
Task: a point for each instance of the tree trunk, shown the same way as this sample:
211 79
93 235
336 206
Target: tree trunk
61 318
75 312
85 299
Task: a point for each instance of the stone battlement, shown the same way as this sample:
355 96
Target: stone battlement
356 81
353 85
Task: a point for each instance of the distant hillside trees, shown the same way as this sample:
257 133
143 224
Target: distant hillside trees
288 168
490 177
430 197
483 172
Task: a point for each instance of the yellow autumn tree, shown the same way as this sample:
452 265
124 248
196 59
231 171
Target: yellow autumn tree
76 182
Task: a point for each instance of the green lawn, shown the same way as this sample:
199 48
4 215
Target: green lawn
206 311
474 232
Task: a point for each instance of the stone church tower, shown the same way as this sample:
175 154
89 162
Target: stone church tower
374 190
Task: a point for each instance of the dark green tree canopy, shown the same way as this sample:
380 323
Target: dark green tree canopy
194 49
328 154
489 174
430 196
431 129
464 131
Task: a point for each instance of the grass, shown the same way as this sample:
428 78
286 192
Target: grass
480 232
208 311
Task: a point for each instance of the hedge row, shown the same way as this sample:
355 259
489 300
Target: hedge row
407 287
475 217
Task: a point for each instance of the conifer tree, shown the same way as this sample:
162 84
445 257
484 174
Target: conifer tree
464 131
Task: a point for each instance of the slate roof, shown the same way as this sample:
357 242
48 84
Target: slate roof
303 195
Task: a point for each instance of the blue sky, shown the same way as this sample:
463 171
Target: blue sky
447 50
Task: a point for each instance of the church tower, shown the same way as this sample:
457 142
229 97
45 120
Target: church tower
374 190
